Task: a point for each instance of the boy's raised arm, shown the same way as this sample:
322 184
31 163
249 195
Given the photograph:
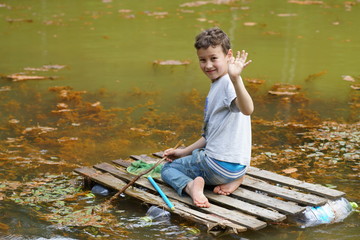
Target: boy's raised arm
236 65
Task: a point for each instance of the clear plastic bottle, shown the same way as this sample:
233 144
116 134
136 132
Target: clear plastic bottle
98 189
342 208
156 214
332 211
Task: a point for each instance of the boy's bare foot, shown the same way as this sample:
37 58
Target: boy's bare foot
228 188
195 189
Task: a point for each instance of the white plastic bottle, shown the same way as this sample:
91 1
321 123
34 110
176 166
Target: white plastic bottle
342 208
332 211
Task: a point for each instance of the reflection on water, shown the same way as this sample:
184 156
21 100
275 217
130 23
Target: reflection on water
79 86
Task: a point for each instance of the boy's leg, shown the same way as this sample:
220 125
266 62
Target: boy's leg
228 188
195 189
175 174
185 174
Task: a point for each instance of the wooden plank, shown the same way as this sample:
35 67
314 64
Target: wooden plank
158 154
240 218
251 209
121 162
211 221
215 224
298 197
309 187
267 201
291 182
260 212
252 197
290 208
145 158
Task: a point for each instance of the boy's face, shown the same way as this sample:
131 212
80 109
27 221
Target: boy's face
213 62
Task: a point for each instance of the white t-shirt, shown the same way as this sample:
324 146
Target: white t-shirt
227 131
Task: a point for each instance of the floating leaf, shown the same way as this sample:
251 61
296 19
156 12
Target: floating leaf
171 62
5 88
306 2
348 78
11 20
21 77
249 24
255 81
355 86
330 186
195 4
290 170
124 11
286 14
282 93
315 75
14 121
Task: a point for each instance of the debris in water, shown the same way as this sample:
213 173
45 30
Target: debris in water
171 62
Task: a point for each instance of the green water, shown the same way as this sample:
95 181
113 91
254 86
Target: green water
112 45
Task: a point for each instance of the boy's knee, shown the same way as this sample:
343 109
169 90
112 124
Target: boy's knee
164 169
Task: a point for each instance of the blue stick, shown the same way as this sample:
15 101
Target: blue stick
162 194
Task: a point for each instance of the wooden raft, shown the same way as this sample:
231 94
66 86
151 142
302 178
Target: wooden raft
263 198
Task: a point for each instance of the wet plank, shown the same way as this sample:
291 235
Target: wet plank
295 196
309 187
245 207
228 201
211 221
231 215
145 158
244 194
298 197
289 208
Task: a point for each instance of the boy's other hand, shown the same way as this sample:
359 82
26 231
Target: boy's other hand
237 64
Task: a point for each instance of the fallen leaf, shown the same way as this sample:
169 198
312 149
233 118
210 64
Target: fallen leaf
290 170
5 89
355 86
125 11
306 2
315 75
20 77
202 19
171 62
195 4
287 14
282 93
39 130
255 81
348 78
249 24
330 186
14 121
96 104
10 20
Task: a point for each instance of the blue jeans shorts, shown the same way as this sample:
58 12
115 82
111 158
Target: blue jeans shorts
181 171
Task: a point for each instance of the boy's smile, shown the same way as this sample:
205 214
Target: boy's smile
213 61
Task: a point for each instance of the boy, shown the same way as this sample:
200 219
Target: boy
220 157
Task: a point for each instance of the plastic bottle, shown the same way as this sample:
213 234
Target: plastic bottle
332 211
156 214
98 189
342 208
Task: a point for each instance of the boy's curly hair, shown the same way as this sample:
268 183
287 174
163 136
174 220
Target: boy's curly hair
213 37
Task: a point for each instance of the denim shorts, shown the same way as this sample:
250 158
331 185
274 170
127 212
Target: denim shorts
181 171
